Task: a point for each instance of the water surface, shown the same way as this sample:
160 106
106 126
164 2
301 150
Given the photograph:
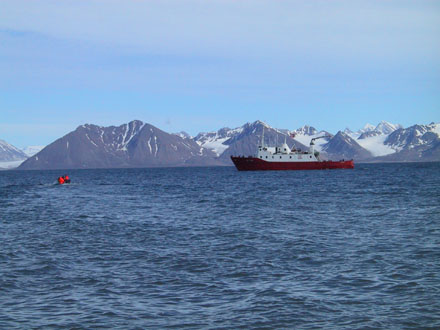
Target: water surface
218 248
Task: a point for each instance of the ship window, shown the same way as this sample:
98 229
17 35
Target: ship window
266 156
281 157
261 156
272 156
310 156
290 157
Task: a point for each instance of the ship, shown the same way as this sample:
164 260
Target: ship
283 158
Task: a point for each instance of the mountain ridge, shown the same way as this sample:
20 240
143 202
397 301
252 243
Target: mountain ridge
139 144
135 144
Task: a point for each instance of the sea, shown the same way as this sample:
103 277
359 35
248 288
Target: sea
215 248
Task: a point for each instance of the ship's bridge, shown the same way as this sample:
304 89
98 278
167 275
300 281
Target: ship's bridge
284 149
284 154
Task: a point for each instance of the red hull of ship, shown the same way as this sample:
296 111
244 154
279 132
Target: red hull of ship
256 164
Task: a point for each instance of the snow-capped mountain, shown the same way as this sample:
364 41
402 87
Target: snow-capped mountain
413 136
216 141
137 144
367 128
415 143
183 135
372 138
9 153
32 150
348 131
130 145
306 130
249 137
383 128
368 134
244 140
364 144
10 156
383 142
306 133
374 143
418 142
343 146
386 127
142 145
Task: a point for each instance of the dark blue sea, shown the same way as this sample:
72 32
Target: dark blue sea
214 248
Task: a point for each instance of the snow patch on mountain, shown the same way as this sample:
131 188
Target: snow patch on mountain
135 144
216 145
413 137
375 145
345 147
131 130
385 127
183 135
372 138
348 131
10 153
6 147
306 130
215 141
367 128
306 133
10 165
305 139
32 150
435 128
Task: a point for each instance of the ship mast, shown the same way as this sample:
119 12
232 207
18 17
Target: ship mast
262 139
312 143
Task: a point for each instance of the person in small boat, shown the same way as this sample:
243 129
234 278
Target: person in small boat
64 179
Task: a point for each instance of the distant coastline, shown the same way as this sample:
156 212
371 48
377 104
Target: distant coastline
138 145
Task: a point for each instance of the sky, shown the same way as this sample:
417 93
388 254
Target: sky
198 65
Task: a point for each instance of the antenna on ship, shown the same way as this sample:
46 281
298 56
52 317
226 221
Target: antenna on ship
262 138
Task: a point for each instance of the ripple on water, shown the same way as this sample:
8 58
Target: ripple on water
217 248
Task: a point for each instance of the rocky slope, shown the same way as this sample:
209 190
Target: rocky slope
342 146
130 145
415 143
137 144
9 153
244 140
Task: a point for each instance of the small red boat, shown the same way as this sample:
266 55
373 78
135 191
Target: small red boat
284 158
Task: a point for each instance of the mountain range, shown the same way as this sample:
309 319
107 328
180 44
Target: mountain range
135 144
138 144
11 157
9 153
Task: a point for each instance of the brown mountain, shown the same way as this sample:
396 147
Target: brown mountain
342 146
130 145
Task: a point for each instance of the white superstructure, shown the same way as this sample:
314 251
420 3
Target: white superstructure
285 154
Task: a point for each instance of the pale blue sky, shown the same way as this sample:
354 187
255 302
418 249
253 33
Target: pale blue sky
198 65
